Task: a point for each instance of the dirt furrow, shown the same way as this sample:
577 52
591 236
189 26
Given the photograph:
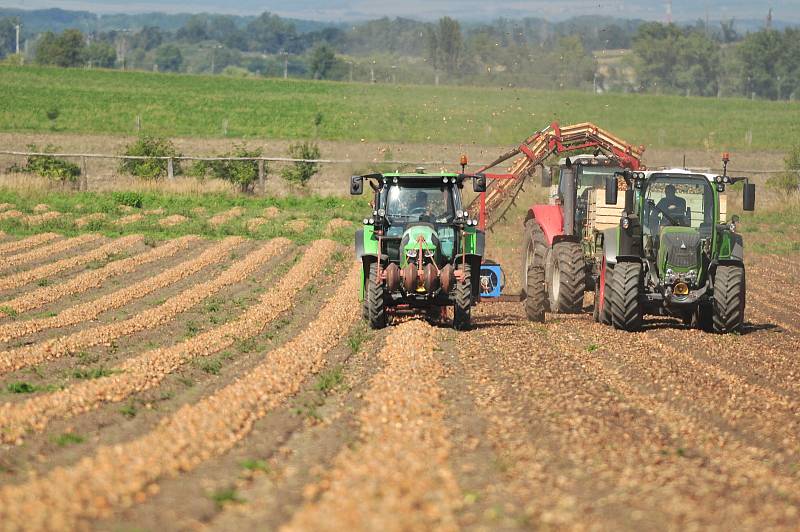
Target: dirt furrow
748 407
541 496
91 309
14 359
785 318
95 278
397 477
32 241
763 357
46 270
46 252
122 475
751 473
627 460
148 369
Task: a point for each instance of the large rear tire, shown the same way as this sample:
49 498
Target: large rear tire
533 267
462 293
376 299
566 281
626 307
729 299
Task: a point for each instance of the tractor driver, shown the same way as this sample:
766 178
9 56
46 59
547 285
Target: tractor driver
671 206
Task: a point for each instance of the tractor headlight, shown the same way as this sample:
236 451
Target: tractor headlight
429 253
411 253
626 223
444 180
372 221
691 275
366 221
382 213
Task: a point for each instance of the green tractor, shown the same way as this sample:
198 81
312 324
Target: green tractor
420 251
672 254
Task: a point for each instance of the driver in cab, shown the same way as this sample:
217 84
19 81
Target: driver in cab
671 205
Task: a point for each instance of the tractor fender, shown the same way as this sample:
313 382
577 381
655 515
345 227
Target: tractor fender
550 219
610 245
737 253
359 244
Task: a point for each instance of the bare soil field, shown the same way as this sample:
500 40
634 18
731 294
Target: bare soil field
230 385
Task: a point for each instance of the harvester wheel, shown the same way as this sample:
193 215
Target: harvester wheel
566 281
376 302
729 298
462 293
528 250
626 308
602 295
535 288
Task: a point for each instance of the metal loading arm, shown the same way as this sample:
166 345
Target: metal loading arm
551 140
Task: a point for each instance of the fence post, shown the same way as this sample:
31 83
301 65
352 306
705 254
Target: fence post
261 176
170 169
83 185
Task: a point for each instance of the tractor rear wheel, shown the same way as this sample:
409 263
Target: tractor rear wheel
566 279
602 293
626 308
376 299
534 286
729 299
462 293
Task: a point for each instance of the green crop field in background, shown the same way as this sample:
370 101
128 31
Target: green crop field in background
107 102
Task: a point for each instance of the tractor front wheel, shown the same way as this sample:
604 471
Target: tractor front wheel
729 299
462 293
626 307
376 299
566 278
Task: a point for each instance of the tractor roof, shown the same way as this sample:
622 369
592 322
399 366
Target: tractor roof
681 171
590 160
419 175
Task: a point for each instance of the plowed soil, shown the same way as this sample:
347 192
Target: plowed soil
232 386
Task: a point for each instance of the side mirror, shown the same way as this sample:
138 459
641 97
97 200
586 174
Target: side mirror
547 177
479 183
749 197
611 191
356 185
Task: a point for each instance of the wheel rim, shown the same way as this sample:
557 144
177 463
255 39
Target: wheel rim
529 256
556 282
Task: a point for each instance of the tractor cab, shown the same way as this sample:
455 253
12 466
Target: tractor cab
579 179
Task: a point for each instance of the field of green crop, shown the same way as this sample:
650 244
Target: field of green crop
107 102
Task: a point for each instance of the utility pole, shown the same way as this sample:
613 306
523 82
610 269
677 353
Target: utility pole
285 56
17 26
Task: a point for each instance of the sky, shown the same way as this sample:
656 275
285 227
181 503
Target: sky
353 10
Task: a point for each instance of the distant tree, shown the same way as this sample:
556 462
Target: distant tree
7 37
728 34
771 63
101 54
271 34
195 30
148 38
445 45
322 61
169 58
64 50
672 59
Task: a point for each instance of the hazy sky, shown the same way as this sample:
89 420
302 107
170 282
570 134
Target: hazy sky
337 10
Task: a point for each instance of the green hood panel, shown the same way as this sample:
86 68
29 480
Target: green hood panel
679 249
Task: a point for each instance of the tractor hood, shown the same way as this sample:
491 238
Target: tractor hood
679 249
416 236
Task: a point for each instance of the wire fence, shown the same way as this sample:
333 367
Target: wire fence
262 161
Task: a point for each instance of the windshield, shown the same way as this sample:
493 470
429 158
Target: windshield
683 201
423 202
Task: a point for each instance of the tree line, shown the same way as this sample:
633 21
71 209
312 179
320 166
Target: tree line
664 58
